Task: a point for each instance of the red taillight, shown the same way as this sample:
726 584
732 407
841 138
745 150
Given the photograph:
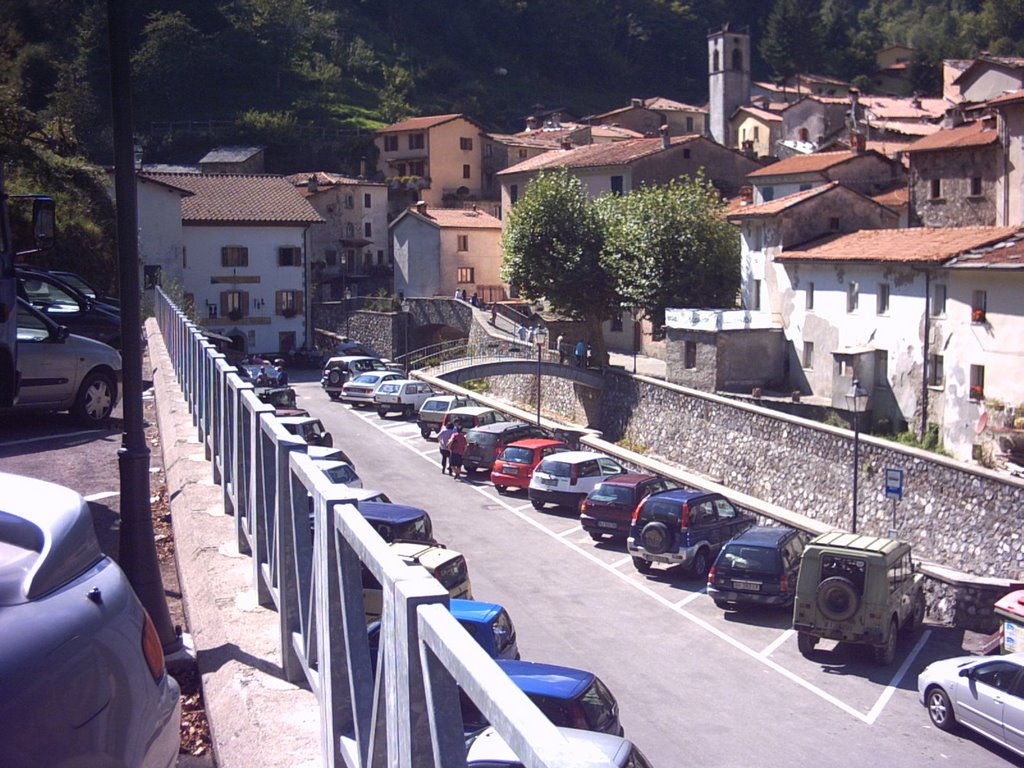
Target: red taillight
711 575
584 506
574 474
684 517
636 512
152 648
783 583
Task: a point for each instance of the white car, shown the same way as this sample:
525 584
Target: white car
984 693
340 472
64 372
566 478
361 390
404 395
489 750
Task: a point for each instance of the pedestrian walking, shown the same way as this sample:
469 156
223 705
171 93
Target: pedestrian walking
282 374
457 446
581 351
443 442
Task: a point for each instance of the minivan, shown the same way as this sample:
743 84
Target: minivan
486 442
566 478
758 567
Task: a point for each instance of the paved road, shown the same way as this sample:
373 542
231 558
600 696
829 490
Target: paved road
696 685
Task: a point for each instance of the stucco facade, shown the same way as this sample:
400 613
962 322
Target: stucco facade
867 172
160 241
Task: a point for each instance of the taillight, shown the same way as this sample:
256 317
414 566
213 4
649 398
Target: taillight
684 517
711 575
152 648
574 474
783 583
584 506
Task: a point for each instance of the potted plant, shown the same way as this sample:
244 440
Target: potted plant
977 392
977 315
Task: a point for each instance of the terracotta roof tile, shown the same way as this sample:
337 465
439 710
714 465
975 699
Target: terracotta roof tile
894 198
1007 98
906 127
460 218
1007 254
977 134
933 245
423 123
597 155
762 114
909 108
774 207
242 199
819 161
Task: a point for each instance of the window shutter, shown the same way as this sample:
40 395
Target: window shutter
299 302
243 303
223 303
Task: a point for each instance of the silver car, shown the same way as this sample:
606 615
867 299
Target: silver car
82 677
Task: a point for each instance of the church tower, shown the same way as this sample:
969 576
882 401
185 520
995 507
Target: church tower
728 79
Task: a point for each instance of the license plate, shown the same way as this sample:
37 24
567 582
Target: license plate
511 470
606 524
549 481
753 586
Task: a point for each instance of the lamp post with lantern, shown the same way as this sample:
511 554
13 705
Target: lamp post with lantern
540 338
406 307
856 401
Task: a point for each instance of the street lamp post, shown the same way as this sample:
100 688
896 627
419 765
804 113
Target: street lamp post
343 260
856 400
406 306
540 337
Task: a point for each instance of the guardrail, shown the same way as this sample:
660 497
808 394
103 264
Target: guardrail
406 713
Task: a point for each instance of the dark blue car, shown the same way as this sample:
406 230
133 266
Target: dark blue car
398 522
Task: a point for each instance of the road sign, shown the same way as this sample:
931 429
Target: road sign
893 483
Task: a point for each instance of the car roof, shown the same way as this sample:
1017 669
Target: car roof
629 479
475 611
763 535
400 381
489 748
390 513
547 679
287 420
350 358
500 426
576 457
867 544
679 494
469 410
537 442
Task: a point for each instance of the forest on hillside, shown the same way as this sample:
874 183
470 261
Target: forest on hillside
269 70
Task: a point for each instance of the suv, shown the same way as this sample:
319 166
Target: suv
857 589
566 478
309 429
338 370
485 443
433 410
683 527
759 567
514 468
403 395
608 508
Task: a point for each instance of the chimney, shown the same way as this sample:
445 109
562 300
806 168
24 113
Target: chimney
312 184
362 168
636 103
566 143
665 142
746 195
531 123
421 207
857 143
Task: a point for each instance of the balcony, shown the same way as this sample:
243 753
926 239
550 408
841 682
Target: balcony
408 182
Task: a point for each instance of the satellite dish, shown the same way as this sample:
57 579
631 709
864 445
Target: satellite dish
982 423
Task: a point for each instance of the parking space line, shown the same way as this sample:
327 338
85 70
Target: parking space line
770 649
890 689
690 598
58 436
100 496
697 621
624 561
568 531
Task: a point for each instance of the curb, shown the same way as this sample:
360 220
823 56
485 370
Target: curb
257 718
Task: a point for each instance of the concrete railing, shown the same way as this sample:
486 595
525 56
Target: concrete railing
406 712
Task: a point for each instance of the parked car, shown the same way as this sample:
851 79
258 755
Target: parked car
683 527
64 372
984 694
398 522
309 429
82 677
433 411
85 287
571 698
758 567
402 395
338 370
339 472
857 589
514 467
445 565
485 443
489 750
566 478
66 306
608 508
361 390
283 400
470 416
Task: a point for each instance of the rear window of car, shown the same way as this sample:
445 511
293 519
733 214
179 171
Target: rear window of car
435 405
484 439
598 706
612 494
747 558
556 468
517 455
366 378
389 389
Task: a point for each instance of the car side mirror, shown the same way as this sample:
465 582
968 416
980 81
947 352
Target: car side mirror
967 672
61 334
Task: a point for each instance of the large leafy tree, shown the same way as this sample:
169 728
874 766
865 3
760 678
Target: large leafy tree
790 44
553 245
670 246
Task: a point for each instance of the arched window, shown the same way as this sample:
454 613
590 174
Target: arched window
737 59
804 135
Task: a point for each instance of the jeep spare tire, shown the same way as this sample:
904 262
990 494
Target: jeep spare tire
837 598
334 377
654 537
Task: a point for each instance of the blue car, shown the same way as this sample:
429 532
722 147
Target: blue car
398 522
571 698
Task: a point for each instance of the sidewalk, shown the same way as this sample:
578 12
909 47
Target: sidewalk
257 719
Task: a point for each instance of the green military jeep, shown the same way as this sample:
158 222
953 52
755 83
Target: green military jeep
857 589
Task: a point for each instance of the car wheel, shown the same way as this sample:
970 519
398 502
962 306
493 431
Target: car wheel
502 489
700 564
596 535
837 598
538 505
721 604
409 411
333 395
806 643
940 710
644 566
382 412
654 537
918 618
886 654
425 434
95 399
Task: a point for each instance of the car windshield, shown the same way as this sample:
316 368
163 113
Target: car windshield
279 398
515 454
556 468
598 706
611 494
758 559
504 632
342 473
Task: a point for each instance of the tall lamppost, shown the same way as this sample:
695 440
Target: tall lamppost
406 306
540 337
856 401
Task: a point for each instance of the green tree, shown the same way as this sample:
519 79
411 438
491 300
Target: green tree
671 246
552 247
790 43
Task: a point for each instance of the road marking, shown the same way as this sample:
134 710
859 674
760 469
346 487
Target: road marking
574 529
690 598
770 649
58 436
100 496
697 621
627 560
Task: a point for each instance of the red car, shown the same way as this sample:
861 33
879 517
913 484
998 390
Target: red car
608 509
514 467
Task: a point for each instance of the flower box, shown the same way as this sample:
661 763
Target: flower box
977 393
977 315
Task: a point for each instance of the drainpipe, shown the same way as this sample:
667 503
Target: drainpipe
1004 142
927 334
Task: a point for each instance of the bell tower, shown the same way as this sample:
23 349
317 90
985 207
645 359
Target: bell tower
728 79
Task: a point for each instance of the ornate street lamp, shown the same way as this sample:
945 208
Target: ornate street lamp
856 402
540 338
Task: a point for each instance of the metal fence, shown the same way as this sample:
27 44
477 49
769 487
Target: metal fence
309 546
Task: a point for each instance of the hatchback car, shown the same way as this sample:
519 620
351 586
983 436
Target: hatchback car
402 395
485 443
61 371
608 508
309 429
566 478
360 391
470 416
433 411
571 698
82 677
758 567
984 694
398 522
339 472
489 750
514 467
